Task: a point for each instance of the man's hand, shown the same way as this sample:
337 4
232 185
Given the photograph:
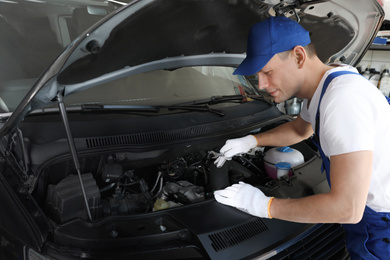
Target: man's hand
234 147
246 198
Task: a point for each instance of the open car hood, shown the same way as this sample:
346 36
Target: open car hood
167 34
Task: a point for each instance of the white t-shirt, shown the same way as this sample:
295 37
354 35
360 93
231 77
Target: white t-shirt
355 116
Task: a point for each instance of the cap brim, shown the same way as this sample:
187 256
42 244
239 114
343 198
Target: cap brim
252 65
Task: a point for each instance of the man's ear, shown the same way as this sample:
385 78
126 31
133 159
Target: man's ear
300 56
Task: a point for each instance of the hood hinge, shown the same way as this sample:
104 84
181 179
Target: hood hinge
282 8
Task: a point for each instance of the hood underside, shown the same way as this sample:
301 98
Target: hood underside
162 29
150 35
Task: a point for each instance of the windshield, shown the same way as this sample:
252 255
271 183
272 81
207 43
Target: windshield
33 34
164 87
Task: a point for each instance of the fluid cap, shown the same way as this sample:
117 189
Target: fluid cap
285 149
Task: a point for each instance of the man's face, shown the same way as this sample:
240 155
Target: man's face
279 78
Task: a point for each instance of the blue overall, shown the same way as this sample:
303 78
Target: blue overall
370 238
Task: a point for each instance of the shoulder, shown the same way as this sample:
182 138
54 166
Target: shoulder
349 86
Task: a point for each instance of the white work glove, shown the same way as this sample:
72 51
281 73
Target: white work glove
234 147
246 198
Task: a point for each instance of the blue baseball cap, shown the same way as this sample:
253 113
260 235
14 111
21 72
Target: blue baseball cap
274 35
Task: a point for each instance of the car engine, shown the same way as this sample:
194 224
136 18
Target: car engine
117 188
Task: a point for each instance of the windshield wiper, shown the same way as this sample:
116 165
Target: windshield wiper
196 105
126 108
204 108
224 99
200 108
153 109
216 100
221 99
267 99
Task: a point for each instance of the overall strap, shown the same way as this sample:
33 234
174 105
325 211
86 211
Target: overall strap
316 136
366 236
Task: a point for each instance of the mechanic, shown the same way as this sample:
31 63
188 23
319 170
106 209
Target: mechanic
353 128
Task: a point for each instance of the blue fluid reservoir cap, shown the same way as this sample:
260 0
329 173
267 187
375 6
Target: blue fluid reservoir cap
283 165
285 149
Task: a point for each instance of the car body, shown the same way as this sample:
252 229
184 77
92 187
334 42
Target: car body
112 115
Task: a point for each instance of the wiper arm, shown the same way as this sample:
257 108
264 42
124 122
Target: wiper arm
96 107
204 108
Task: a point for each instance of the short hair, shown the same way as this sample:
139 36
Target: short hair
310 50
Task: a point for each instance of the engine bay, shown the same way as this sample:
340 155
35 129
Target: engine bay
154 190
117 186
119 172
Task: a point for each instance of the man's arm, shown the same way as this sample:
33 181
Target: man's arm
350 176
286 134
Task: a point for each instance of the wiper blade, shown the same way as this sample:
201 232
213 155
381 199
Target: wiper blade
216 100
222 99
96 107
239 98
196 105
155 109
204 108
